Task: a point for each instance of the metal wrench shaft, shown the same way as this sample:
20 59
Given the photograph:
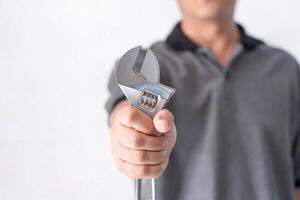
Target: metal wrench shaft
145 189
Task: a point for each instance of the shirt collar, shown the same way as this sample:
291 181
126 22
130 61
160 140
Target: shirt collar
179 41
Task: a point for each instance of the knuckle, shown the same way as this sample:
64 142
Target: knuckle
137 141
131 115
125 109
141 156
119 114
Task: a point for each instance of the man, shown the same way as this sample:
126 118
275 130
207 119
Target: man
236 110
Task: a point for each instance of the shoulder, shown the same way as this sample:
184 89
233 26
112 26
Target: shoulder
277 55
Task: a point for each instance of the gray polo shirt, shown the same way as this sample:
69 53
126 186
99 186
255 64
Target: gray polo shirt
238 127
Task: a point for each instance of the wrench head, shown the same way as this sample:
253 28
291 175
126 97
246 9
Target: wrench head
137 66
137 74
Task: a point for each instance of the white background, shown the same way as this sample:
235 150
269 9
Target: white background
55 58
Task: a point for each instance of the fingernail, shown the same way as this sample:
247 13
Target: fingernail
165 124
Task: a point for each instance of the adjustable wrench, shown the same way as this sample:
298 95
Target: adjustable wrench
138 76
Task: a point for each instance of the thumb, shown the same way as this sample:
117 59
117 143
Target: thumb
163 121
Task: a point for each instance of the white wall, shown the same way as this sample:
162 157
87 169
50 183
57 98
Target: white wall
55 57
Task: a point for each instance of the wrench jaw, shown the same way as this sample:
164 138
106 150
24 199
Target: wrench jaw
137 66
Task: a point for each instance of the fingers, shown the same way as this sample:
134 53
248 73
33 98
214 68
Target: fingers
140 171
132 139
141 146
138 157
164 121
132 117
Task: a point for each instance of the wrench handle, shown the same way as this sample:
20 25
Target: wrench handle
145 189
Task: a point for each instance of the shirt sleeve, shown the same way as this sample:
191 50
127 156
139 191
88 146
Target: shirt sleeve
296 146
115 94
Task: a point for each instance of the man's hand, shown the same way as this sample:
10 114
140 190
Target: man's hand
141 146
